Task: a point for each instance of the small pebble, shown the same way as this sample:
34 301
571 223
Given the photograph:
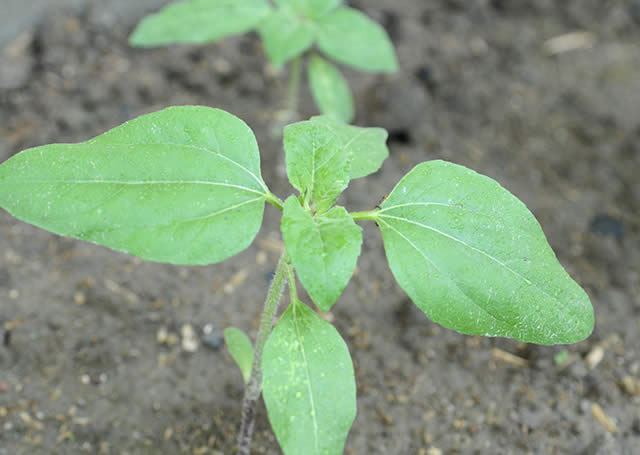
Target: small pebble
79 298
607 225
631 385
161 335
213 340
595 357
189 340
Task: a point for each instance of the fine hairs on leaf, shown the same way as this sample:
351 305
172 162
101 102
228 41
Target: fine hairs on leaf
183 185
288 29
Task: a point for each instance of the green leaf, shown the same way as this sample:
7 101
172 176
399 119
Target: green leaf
330 90
317 163
240 349
308 384
310 8
352 38
475 260
367 147
285 36
181 185
199 21
561 357
324 250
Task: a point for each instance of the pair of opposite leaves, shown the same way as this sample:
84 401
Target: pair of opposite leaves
344 34
183 185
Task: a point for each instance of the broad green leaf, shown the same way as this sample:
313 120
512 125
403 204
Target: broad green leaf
199 21
317 163
474 258
181 185
350 37
367 147
240 349
330 90
285 36
324 250
310 8
308 384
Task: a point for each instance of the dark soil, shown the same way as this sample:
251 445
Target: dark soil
92 358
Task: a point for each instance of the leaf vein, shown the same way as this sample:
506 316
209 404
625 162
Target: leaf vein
455 239
306 369
142 182
414 246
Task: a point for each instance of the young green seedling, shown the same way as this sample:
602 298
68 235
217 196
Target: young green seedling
183 185
289 29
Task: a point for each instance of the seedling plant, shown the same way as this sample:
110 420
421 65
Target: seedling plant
183 185
289 29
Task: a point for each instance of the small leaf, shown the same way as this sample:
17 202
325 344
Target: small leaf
317 163
475 260
310 8
330 90
181 185
350 37
367 147
285 36
240 349
561 357
199 21
324 250
308 384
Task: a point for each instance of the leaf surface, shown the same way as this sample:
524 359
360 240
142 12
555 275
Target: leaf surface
367 147
181 185
474 258
330 90
199 21
308 384
310 8
324 250
317 163
286 35
350 37
241 350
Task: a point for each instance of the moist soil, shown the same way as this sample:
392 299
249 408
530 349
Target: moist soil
96 354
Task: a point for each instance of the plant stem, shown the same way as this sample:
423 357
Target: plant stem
292 284
254 386
366 215
275 200
294 86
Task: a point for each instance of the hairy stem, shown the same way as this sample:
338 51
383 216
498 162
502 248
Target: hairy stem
254 386
294 85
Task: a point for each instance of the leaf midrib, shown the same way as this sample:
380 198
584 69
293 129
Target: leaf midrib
415 247
204 149
499 262
183 220
134 182
314 415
